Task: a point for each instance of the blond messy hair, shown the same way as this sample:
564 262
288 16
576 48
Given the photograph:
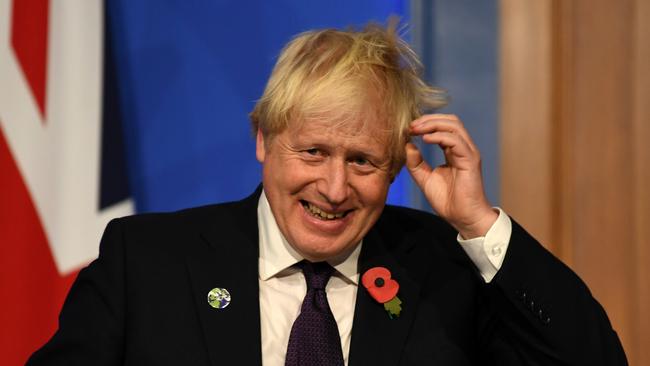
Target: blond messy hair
348 75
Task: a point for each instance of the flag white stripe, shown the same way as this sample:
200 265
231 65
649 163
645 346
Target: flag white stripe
60 159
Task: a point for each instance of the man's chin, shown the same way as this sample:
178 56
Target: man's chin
317 255
325 253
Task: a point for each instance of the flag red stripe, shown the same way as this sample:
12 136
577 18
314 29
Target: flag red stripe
29 40
30 286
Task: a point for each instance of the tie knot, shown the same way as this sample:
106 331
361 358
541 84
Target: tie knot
317 274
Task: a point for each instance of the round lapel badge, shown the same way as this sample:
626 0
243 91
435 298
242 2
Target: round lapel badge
219 298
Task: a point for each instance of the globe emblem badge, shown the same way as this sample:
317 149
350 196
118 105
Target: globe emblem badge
219 298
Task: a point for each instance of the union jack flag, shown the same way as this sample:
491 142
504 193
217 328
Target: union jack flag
57 117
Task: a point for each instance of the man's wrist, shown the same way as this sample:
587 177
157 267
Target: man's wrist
488 252
481 227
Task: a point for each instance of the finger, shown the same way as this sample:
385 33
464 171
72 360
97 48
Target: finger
446 123
417 167
457 153
425 117
439 124
452 119
449 142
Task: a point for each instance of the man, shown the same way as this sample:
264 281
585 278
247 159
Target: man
234 283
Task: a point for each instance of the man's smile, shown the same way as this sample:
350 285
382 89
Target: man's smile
322 213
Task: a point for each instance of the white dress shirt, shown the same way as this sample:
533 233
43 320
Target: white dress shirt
283 287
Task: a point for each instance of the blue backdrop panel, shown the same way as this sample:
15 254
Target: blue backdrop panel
189 73
465 45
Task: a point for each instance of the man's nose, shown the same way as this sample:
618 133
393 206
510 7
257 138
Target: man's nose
334 185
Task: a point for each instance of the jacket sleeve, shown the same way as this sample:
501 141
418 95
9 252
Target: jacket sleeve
543 314
91 323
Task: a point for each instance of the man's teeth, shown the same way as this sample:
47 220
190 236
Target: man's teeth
322 214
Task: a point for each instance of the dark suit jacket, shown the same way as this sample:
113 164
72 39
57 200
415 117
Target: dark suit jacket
144 300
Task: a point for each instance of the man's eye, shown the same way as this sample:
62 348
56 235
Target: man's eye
312 151
360 161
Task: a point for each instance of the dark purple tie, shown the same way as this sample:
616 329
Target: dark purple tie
314 339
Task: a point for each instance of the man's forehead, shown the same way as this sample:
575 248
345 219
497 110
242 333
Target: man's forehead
359 129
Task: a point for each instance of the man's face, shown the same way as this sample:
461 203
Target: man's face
326 183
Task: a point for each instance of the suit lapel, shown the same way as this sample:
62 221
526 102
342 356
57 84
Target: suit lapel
229 259
377 339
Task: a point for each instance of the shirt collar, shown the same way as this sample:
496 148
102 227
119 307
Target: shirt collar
276 254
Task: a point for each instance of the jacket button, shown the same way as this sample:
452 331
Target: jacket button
523 295
531 305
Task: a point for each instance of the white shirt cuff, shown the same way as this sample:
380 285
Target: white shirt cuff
487 252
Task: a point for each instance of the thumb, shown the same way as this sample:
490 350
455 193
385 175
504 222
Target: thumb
417 167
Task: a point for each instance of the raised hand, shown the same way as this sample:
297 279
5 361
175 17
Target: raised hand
454 190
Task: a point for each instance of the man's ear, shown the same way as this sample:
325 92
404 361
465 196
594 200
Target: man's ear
260 149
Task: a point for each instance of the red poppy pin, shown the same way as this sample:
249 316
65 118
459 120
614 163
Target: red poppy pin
383 289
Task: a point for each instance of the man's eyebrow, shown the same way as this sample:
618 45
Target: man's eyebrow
371 153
